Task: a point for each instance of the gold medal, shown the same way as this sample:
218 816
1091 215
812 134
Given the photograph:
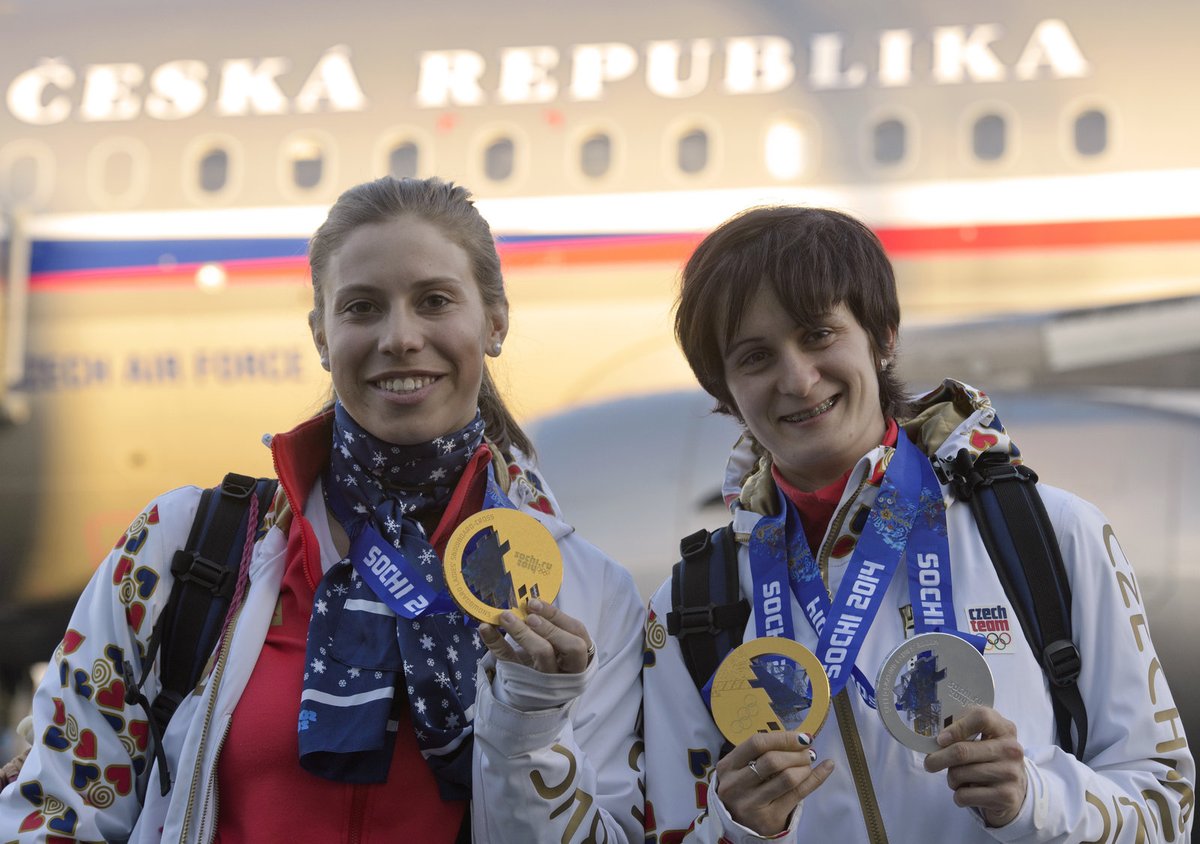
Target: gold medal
766 685
498 560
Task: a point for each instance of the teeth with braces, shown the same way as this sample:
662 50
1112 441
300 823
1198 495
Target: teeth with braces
816 411
405 385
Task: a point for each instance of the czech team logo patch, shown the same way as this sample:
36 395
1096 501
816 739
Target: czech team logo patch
995 624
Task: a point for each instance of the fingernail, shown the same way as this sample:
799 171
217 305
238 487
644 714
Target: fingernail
533 620
812 756
805 739
507 618
534 604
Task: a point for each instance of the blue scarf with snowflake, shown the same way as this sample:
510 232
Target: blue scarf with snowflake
384 614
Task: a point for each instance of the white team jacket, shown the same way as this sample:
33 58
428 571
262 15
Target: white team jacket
570 773
1137 785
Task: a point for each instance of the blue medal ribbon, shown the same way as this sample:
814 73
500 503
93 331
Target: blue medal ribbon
390 571
908 518
928 563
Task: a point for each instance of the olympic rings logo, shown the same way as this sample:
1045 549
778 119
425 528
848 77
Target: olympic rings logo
999 641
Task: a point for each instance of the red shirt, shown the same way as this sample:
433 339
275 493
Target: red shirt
816 508
264 793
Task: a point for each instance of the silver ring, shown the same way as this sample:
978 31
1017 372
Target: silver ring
753 766
591 651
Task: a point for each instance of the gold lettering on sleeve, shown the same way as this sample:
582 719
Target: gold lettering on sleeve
635 753
1137 622
551 792
1128 584
1187 796
1170 716
1159 802
1155 668
1141 819
1104 817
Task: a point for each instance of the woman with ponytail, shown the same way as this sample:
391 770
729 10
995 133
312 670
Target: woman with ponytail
333 713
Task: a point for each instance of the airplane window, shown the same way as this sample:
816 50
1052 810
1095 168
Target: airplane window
989 137
1091 132
21 178
498 159
692 153
402 161
117 175
890 141
118 172
306 158
785 149
595 155
214 171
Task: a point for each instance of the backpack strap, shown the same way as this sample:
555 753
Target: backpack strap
206 572
704 615
1024 549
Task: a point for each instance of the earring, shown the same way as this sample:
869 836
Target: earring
325 363
495 349
883 363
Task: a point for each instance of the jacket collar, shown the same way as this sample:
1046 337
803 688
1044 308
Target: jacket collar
952 417
301 455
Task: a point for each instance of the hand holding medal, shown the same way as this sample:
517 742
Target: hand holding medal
503 568
935 695
769 697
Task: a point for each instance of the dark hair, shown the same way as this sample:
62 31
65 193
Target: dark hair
813 259
449 207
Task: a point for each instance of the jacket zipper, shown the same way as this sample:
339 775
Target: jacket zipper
843 708
211 797
859 770
217 672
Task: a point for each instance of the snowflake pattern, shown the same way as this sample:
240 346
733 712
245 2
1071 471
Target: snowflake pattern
441 680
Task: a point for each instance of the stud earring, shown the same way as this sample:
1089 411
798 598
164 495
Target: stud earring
325 363
495 350
883 363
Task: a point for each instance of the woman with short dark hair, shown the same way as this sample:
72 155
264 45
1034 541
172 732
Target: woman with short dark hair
850 542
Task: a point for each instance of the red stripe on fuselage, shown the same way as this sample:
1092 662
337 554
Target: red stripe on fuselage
901 243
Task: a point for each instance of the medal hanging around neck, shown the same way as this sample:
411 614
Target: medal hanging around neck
499 560
927 683
768 685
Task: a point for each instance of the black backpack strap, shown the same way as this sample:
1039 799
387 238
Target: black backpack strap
708 614
1024 549
206 572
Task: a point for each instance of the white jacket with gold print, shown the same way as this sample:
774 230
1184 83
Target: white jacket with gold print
1137 782
567 772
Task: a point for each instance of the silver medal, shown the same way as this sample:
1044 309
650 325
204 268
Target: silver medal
928 682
